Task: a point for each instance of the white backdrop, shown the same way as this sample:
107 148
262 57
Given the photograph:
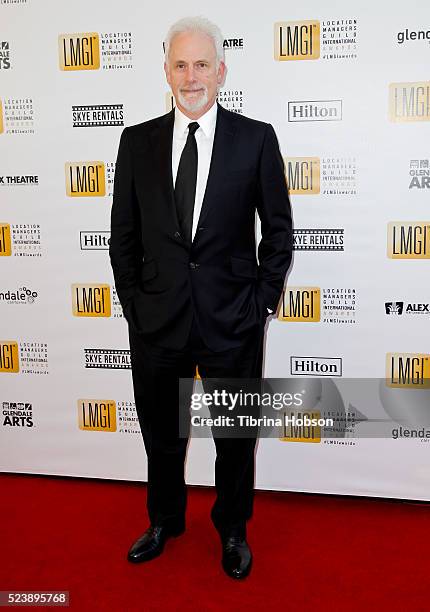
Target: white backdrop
372 158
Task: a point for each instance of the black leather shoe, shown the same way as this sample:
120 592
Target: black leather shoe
151 543
236 557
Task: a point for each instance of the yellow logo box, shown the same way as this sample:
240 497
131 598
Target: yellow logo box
97 415
302 433
85 179
408 370
1 118
9 358
408 240
296 40
79 51
5 241
303 175
301 304
409 101
91 300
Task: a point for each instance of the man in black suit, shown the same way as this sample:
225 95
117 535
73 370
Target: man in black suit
183 253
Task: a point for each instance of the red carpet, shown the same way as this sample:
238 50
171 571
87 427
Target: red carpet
311 552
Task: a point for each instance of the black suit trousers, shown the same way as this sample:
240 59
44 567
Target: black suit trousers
156 371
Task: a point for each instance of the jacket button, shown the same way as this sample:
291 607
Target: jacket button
194 265
177 235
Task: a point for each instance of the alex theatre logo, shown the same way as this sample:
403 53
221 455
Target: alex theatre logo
5 241
79 51
410 101
408 240
91 300
301 304
85 179
303 175
97 415
408 370
9 360
297 40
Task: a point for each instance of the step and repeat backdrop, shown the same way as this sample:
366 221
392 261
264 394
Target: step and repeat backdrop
346 87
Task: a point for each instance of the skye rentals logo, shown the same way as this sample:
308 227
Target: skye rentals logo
410 101
408 240
85 179
97 414
303 175
91 300
9 360
297 40
408 370
79 51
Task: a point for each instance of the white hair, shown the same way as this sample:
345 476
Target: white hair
201 25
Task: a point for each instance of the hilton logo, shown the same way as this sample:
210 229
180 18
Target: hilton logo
85 179
410 101
297 40
303 175
311 366
317 110
408 370
91 300
94 241
409 240
79 51
9 360
301 304
97 415
5 241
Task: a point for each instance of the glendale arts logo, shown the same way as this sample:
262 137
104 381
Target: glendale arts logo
419 171
318 239
408 370
4 55
92 51
412 35
98 115
408 240
409 101
315 110
312 40
17 414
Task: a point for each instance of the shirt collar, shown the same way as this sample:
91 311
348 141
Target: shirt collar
206 122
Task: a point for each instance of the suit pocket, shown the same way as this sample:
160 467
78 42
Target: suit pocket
149 270
246 268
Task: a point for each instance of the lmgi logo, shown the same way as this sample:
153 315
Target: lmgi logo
409 240
302 433
303 175
85 179
297 40
97 415
301 304
5 241
9 361
408 370
91 300
79 51
410 101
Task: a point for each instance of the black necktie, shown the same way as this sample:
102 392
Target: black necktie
185 186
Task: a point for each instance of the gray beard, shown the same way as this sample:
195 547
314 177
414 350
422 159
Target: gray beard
193 106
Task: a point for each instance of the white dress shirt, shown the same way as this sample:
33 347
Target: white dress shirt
204 138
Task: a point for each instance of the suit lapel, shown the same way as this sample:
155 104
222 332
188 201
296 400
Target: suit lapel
225 130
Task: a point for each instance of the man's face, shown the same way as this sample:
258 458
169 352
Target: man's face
192 73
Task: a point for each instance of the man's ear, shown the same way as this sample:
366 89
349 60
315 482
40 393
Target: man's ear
222 73
166 70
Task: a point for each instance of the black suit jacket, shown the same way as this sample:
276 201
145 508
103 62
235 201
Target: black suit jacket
160 279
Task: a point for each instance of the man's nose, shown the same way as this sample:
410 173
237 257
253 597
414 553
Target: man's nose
190 73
